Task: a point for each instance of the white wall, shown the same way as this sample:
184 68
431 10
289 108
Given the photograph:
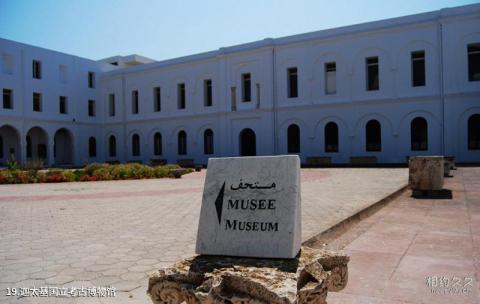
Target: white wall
448 98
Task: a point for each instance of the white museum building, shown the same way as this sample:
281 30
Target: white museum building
386 90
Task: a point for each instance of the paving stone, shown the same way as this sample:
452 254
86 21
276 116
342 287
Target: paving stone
132 276
147 261
105 281
140 268
149 223
123 285
86 276
115 271
59 280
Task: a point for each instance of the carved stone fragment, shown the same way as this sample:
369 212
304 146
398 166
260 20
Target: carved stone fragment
219 279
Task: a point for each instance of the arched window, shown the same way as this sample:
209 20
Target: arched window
29 146
331 137
136 145
293 138
208 142
419 134
112 146
92 147
474 132
157 144
248 143
182 143
373 136
1 147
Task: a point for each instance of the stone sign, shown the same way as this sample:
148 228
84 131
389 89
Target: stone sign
251 207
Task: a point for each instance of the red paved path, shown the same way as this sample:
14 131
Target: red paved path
394 252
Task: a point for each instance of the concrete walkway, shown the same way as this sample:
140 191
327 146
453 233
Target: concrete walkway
114 233
417 251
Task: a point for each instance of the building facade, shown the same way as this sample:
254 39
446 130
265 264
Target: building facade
389 89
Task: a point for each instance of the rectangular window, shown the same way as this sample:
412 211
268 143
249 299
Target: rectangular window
157 99
207 93
373 83
418 68
7 63
258 95
111 104
91 108
330 78
63 105
181 96
135 102
91 80
37 102
36 69
233 94
62 73
246 88
7 99
292 82
473 62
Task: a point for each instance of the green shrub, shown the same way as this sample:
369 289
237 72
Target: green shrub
33 164
92 172
102 174
69 176
161 171
12 165
91 168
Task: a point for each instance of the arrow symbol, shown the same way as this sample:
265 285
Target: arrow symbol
219 203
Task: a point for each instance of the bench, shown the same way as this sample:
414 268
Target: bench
318 161
134 162
158 162
363 160
186 163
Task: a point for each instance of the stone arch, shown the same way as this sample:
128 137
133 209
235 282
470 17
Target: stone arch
373 134
157 143
112 145
461 143
419 134
199 135
92 147
283 133
135 145
37 144
182 142
9 144
63 147
293 138
473 132
403 129
247 142
208 142
377 116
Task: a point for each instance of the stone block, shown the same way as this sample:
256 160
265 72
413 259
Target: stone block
251 207
426 172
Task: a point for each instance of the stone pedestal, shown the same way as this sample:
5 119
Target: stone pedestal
219 279
426 173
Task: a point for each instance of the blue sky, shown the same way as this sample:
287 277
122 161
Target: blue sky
167 29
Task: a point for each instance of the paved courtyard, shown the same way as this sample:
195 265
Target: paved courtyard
417 251
115 233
